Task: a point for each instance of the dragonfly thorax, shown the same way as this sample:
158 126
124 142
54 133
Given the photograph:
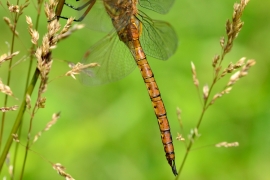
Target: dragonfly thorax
120 11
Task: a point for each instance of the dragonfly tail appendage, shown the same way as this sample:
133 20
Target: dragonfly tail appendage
174 169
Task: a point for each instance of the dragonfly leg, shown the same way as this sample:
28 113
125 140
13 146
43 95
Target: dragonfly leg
61 3
80 7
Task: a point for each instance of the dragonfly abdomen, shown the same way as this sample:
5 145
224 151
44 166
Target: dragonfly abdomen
160 111
154 93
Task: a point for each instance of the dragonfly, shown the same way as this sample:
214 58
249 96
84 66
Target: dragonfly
134 36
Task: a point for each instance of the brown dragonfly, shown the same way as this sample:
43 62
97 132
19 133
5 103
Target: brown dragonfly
134 36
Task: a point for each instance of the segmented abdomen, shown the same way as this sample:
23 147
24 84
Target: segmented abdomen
153 91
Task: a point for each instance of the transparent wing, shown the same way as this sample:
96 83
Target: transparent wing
160 6
97 19
114 58
158 38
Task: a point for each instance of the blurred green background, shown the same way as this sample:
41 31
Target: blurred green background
111 132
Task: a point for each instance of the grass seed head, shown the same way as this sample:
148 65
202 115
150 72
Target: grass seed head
205 91
179 137
54 119
240 63
215 60
41 102
226 144
234 26
5 89
33 33
194 75
246 67
178 112
222 42
78 68
61 171
6 109
193 134
216 96
235 77
13 9
67 26
11 26
15 137
66 33
243 72
23 6
28 101
5 57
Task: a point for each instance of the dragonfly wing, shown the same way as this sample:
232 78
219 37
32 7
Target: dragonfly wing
158 38
160 6
114 58
97 19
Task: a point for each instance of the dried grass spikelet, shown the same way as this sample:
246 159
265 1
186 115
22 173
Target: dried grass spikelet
67 32
231 67
24 5
194 75
5 57
6 109
179 137
41 101
226 144
217 70
246 67
10 166
28 101
215 61
13 8
219 95
67 25
77 68
235 77
178 112
49 9
10 170
222 42
234 26
193 134
11 26
54 119
239 63
15 138
243 72
33 33
61 171
8 155
5 89
17 9
43 53
205 91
